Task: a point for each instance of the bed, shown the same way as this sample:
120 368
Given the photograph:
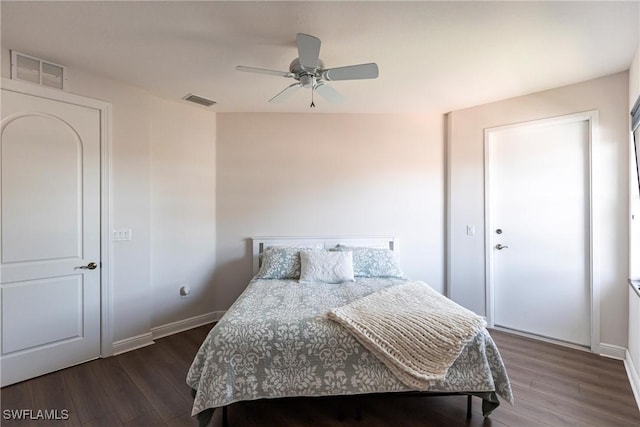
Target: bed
279 338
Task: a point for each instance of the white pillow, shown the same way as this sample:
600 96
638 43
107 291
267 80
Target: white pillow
326 266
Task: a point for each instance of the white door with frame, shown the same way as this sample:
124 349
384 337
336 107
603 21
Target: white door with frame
539 228
50 235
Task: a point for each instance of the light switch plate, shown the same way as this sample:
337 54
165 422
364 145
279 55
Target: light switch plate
121 234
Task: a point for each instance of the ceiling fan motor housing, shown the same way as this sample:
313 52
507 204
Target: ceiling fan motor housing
296 68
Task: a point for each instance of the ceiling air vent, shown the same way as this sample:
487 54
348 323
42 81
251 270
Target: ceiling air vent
199 100
35 70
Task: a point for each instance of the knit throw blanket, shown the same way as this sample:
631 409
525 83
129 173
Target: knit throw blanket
416 332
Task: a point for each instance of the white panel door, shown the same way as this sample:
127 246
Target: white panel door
50 235
539 230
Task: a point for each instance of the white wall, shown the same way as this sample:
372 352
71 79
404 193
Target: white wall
183 228
172 145
610 187
329 174
130 174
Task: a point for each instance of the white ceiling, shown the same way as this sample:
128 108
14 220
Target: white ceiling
433 56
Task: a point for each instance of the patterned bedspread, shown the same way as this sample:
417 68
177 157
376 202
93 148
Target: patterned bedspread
276 341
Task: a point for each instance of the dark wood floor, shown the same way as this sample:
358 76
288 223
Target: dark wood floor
552 385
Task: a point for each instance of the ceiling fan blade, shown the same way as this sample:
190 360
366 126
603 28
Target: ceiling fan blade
285 94
308 51
352 72
328 93
263 71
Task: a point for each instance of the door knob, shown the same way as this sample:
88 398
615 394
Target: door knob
90 266
501 247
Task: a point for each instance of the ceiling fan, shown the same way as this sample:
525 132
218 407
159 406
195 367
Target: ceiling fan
309 72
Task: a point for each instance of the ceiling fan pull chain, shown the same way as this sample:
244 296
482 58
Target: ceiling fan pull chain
312 103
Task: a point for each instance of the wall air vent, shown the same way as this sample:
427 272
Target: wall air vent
35 70
199 100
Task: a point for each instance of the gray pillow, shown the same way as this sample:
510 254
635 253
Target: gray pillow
280 263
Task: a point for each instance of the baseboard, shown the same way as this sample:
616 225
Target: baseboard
634 378
186 324
132 343
144 340
613 351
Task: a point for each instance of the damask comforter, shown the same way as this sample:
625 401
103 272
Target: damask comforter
276 341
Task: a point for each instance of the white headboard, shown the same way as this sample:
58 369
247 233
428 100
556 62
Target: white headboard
326 242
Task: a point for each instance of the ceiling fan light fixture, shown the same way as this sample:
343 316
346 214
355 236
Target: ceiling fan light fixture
307 80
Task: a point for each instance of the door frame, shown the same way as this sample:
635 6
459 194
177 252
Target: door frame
106 246
591 117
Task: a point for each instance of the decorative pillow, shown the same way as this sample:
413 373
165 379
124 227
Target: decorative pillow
280 262
326 267
373 262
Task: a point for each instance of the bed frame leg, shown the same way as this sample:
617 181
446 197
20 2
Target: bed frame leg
469 406
225 421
